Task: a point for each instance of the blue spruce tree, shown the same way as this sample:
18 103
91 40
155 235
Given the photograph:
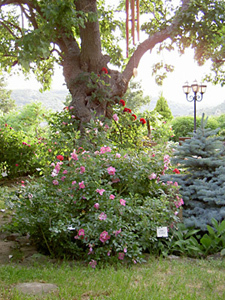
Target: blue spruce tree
201 160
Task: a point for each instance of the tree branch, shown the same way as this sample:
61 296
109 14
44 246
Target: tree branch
153 40
9 30
31 18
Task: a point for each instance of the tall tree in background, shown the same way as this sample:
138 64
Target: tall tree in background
134 96
82 37
163 109
6 103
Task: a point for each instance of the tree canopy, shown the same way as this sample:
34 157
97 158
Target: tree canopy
83 37
6 102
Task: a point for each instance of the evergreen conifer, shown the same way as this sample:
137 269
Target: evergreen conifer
201 161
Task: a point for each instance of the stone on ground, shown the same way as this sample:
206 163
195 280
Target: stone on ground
35 288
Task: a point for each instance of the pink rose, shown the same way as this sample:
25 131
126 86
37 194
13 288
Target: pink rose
74 155
104 236
123 202
152 176
81 232
96 205
82 170
93 263
115 118
121 256
102 216
100 191
111 170
81 185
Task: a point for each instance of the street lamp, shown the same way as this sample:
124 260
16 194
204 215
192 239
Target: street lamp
198 91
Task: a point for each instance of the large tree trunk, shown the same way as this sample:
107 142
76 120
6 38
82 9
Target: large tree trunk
83 66
83 71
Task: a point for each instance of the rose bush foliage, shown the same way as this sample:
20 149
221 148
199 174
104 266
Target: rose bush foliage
98 206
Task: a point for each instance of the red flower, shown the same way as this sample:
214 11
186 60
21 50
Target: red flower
122 102
16 165
60 157
176 171
67 108
135 117
142 120
127 110
105 70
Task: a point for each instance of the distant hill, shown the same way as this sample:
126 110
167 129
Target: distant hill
50 99
54 100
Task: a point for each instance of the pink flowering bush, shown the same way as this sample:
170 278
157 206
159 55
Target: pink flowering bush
99 206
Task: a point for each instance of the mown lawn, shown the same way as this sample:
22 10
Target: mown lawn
157 279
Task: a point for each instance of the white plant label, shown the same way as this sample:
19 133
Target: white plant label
162 232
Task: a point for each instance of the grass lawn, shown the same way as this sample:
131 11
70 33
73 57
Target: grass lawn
158 279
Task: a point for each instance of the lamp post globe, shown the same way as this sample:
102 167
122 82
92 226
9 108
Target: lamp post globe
197 95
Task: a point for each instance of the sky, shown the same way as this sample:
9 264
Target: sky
185 70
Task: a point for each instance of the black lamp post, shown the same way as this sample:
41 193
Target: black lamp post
198 91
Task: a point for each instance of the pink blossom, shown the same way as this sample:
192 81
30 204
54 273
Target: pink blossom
152 176
55 182
123 202
104 236
125 250
82 170
179 202
102 150
90 250
74 182
81 185
115 118
81 232
117 232
96 205
118 155
93 263
111 170
71 107
111 197
121 255
65 172
105 149
100 191
102 216
73 117
166 158
106 126
63 178
74 155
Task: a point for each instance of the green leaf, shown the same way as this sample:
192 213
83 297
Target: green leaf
206 241
222 253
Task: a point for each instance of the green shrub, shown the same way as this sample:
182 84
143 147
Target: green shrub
184 126
98 206
17 153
